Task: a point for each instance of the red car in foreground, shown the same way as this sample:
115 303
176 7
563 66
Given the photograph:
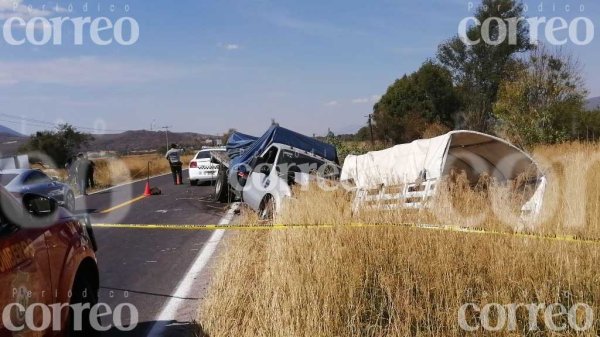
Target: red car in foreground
47 265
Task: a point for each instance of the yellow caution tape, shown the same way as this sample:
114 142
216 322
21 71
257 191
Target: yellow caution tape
566 238
126 203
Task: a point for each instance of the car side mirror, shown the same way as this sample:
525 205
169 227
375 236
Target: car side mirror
39 206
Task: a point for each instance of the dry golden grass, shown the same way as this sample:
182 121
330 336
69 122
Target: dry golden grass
113 171
399 281
386 281
572 203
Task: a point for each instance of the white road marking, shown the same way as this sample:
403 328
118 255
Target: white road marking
169 310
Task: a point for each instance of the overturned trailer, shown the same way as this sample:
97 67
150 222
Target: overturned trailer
408 175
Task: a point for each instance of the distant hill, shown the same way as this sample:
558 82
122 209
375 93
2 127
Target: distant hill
10 141
593 103
126 142
142 140
9 132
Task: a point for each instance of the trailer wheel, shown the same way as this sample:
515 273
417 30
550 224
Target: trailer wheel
221 186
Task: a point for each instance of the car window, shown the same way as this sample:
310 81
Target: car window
36 177
206 154
266 160
203 155
270 156
297 162
5 179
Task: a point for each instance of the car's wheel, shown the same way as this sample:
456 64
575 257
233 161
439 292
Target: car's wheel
70 201
267 208
194 182
221 186
84 292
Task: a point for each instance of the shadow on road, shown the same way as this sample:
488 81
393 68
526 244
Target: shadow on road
172 328
90 211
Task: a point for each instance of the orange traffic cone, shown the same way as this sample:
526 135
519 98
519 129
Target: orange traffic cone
147 189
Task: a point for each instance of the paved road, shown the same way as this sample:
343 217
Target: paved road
144 266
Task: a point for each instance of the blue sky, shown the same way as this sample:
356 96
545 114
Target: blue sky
206 66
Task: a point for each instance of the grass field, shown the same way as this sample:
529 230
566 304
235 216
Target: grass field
110 172
397 281
113 171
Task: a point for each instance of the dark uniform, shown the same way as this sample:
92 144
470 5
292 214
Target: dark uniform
82 167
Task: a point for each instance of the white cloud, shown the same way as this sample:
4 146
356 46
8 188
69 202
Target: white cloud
229 46
365 100
284 20
332 103
360 100
16 8
92 71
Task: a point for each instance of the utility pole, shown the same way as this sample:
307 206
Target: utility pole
370 116
167 134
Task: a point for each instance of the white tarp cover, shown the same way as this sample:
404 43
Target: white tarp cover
468 151
399 164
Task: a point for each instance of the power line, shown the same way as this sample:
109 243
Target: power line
13 122
40 123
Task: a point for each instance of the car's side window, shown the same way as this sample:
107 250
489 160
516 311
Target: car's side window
36 178
297 162
270 156
29 179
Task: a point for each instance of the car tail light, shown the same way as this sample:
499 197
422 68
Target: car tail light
193 164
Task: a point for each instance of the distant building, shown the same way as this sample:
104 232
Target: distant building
16 162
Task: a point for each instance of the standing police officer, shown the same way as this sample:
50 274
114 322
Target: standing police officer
82 171
174 158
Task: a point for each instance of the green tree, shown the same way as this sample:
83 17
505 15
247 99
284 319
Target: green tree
587 126
363 134
59 144
478 68
543 101
415 101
